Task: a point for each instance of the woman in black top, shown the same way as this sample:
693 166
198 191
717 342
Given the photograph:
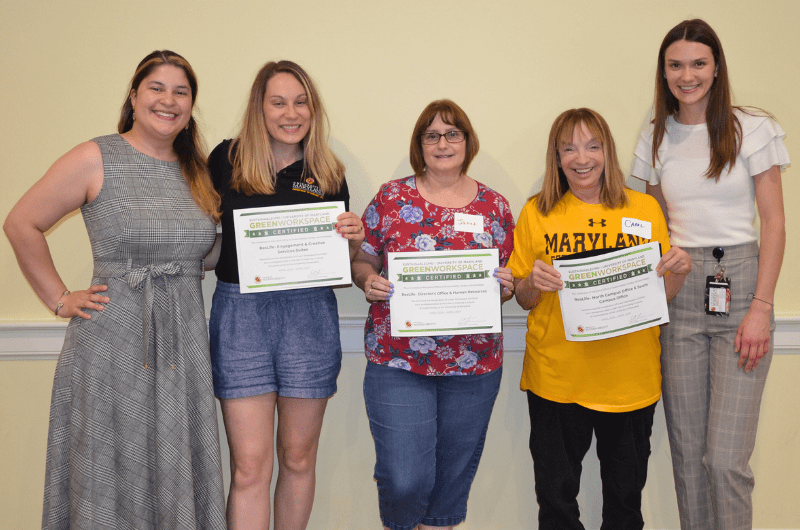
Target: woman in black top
275 350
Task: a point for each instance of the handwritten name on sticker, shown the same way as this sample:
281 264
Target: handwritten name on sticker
637 227
465 222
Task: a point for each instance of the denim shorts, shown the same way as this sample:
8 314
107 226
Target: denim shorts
283 341
429 433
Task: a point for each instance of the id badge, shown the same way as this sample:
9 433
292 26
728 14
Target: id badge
718 296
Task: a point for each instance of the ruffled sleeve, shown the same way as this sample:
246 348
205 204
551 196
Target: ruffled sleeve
762 143
642 166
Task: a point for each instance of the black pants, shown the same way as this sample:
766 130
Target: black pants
561 434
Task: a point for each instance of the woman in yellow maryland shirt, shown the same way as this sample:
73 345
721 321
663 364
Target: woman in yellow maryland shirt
607 387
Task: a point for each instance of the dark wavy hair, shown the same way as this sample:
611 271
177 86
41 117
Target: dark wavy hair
188 145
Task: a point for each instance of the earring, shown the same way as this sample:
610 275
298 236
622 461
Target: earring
133 113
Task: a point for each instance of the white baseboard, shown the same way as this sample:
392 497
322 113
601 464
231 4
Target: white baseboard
28 341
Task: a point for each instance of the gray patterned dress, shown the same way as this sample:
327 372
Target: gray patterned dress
133 441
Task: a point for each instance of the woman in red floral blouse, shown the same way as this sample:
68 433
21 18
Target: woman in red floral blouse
429 428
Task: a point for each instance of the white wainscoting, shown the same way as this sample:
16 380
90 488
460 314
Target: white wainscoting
28 341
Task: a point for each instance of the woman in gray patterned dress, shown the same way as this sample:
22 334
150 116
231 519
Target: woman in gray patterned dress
133 441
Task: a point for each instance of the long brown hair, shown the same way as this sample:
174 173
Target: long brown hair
254 164
555 183
451 114
188 145
724 129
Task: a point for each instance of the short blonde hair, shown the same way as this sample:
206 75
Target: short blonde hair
555 184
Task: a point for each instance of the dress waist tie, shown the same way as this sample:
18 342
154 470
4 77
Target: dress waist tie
142 279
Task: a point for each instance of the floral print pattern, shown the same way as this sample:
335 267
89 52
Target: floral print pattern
399 220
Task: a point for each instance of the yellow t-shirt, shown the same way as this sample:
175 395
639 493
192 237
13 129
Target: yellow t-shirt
618 374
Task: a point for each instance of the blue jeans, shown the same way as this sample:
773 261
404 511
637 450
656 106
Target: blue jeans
429 433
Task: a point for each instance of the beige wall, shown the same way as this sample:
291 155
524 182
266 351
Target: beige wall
512 65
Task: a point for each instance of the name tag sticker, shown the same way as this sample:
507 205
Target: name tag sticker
468 223
636 227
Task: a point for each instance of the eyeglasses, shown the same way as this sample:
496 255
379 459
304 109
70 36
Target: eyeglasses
452 137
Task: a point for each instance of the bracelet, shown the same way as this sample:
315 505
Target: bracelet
759 299
60 304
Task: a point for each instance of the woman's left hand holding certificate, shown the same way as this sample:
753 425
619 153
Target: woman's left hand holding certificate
291 247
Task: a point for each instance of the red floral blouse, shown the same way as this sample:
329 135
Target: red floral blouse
399 220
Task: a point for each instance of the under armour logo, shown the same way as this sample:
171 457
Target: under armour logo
602 222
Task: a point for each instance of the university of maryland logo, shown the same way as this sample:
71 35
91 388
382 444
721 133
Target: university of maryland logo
601 222
307 185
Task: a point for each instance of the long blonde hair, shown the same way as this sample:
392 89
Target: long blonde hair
188 145
555 184
254 163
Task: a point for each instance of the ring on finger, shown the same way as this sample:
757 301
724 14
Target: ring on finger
370 290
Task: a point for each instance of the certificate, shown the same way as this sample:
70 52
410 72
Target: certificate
290 247
449 292
612 294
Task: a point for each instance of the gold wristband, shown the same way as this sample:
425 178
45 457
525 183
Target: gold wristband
60 304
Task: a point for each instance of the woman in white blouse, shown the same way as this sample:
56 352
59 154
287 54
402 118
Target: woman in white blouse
710 165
